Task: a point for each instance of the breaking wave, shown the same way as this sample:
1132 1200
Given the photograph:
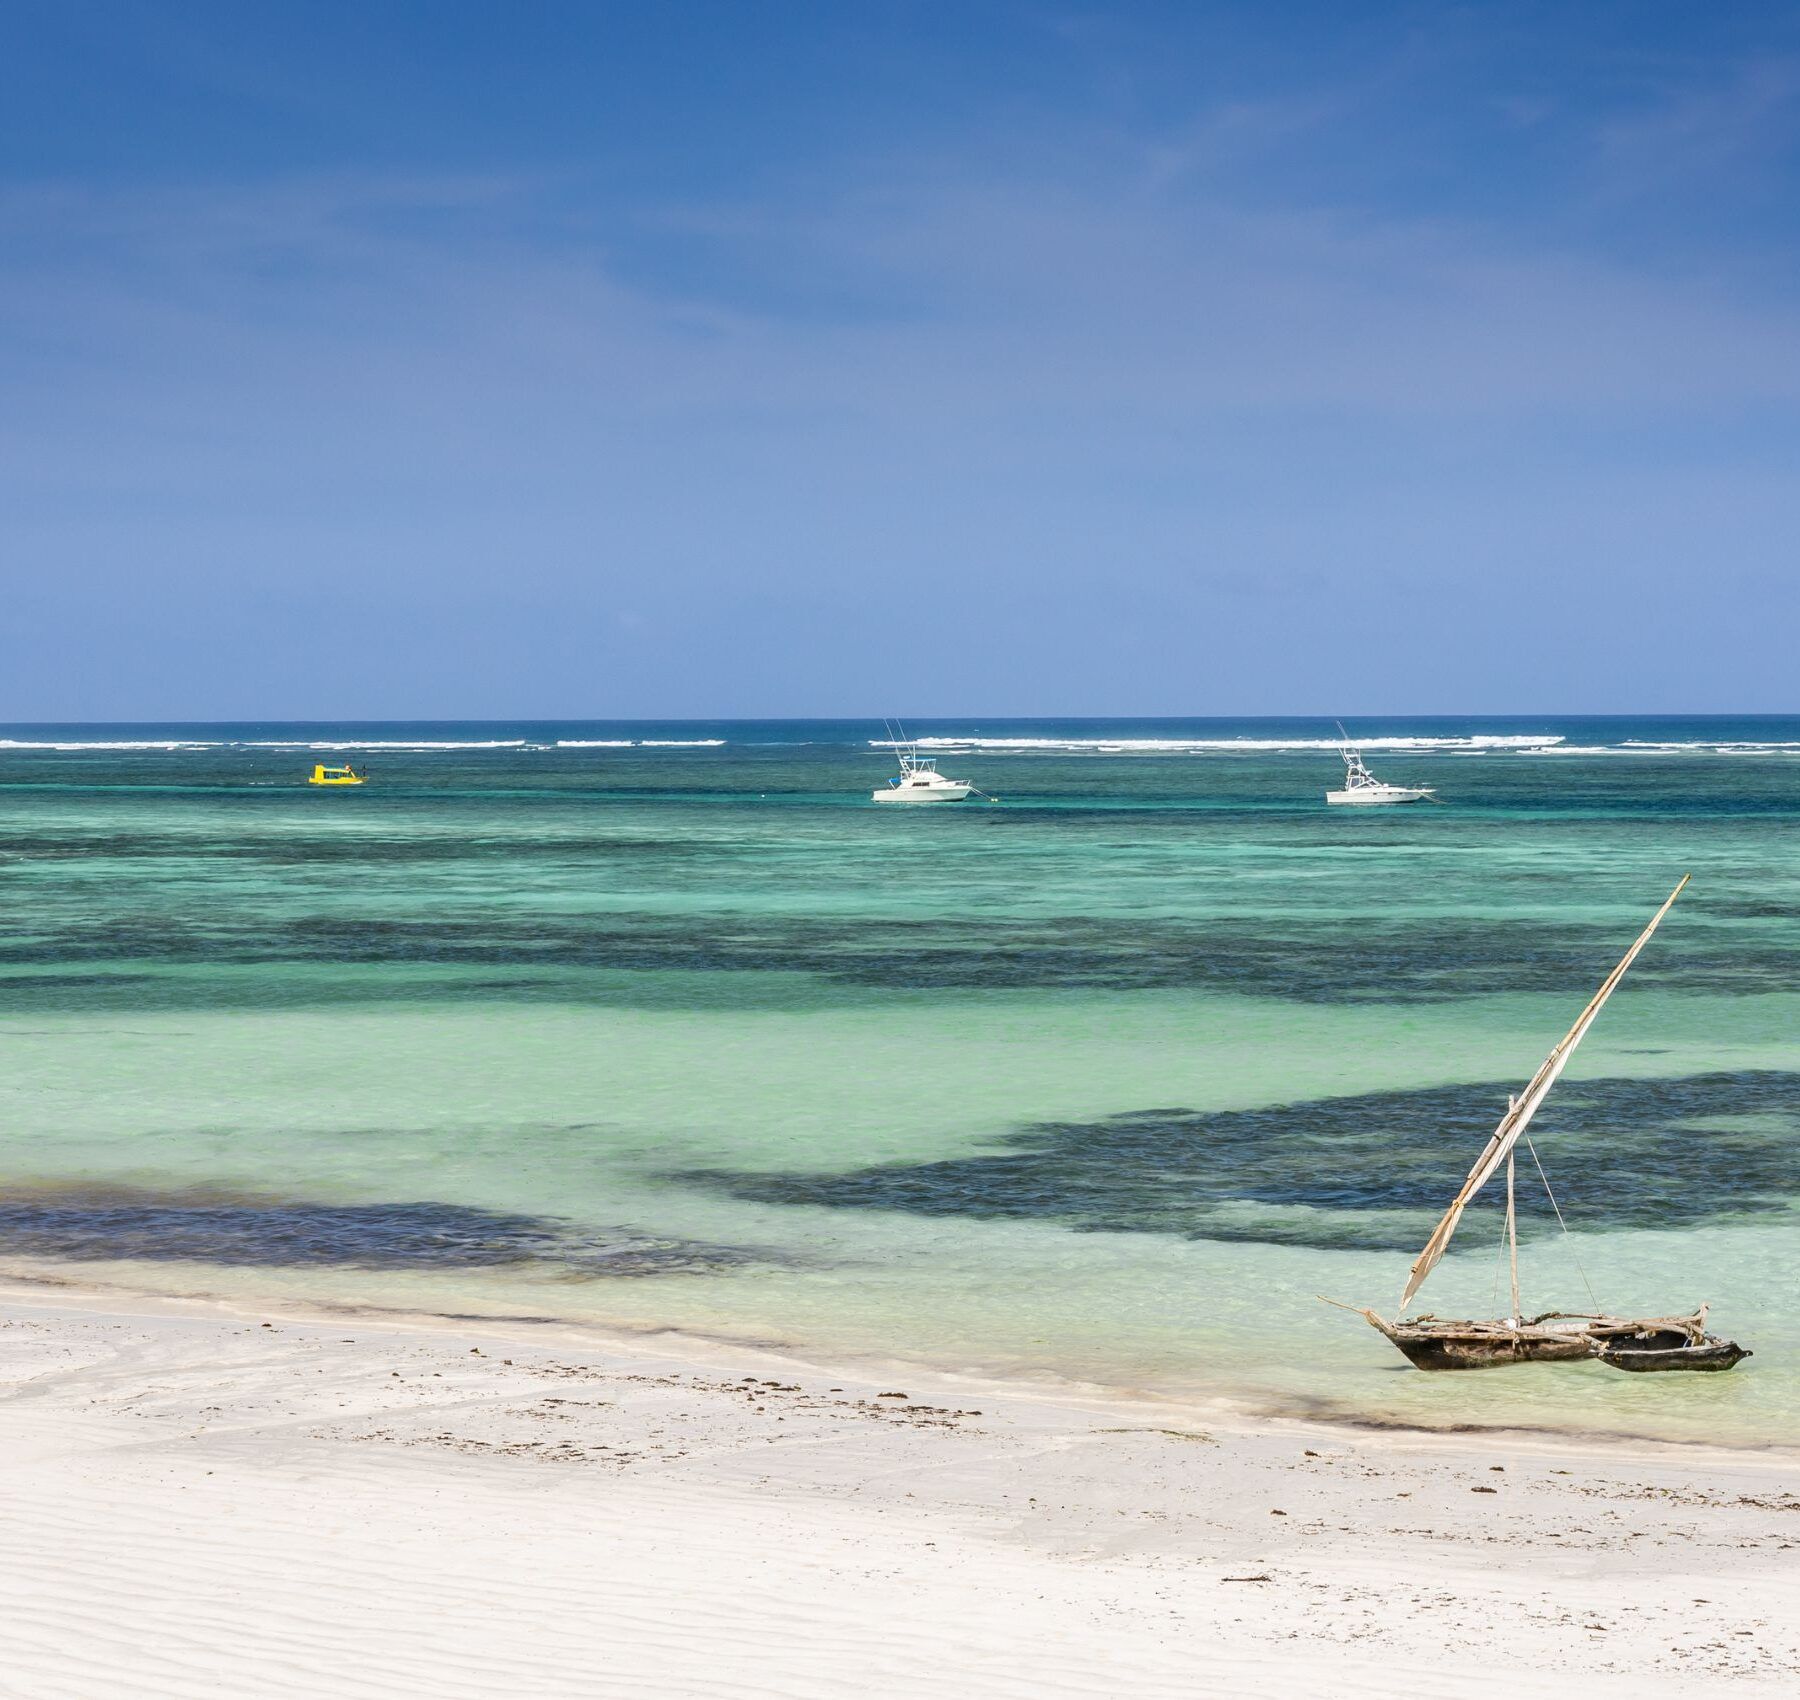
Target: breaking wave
1474 743
111 744
400 744
1645 747
1722 747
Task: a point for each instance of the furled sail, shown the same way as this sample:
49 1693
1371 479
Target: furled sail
1523 1108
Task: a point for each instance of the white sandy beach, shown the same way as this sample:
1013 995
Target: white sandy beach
205 1504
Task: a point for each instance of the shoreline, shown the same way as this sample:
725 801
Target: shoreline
346 1504
1223 1410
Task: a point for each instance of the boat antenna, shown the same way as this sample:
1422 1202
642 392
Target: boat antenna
903 745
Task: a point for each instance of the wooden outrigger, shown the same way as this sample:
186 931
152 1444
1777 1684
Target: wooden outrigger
1628 1343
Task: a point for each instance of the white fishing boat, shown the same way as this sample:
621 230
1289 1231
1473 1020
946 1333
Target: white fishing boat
1640 1343
919 781
1361 786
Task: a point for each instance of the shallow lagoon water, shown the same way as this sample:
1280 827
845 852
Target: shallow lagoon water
1107 1081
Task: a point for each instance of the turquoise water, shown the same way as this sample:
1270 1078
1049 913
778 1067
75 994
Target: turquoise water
669 1026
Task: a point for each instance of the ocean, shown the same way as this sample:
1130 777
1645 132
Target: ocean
666 1026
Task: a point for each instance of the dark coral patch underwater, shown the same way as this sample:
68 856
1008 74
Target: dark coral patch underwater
82 1223
1308 961
1366 1171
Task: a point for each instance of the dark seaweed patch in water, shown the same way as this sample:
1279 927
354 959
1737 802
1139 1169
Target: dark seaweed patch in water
1304 961
1370 1170
1749 909
86 1224
297 850
508 847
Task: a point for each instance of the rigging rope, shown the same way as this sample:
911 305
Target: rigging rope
1561 1224
1499 1252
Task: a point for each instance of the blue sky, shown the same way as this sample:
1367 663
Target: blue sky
548 359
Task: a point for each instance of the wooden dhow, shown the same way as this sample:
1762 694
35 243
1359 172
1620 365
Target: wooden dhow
1628 1343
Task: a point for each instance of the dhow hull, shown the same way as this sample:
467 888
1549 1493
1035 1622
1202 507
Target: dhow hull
1657 1343
1488 1351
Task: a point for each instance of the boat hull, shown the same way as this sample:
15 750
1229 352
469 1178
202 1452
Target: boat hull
1671 1351
923 794
1369 795
1655 1343
1487 1351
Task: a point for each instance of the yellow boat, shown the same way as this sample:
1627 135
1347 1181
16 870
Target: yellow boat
322 775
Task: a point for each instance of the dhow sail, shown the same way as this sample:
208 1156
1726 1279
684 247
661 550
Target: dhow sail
1523 1108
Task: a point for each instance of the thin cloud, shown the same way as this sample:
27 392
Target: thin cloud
1746 122
1145 412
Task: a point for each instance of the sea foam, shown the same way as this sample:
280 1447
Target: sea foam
1475 742
412 745
110 744
1643 747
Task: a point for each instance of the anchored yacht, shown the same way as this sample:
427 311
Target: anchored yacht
920 782
1361 786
